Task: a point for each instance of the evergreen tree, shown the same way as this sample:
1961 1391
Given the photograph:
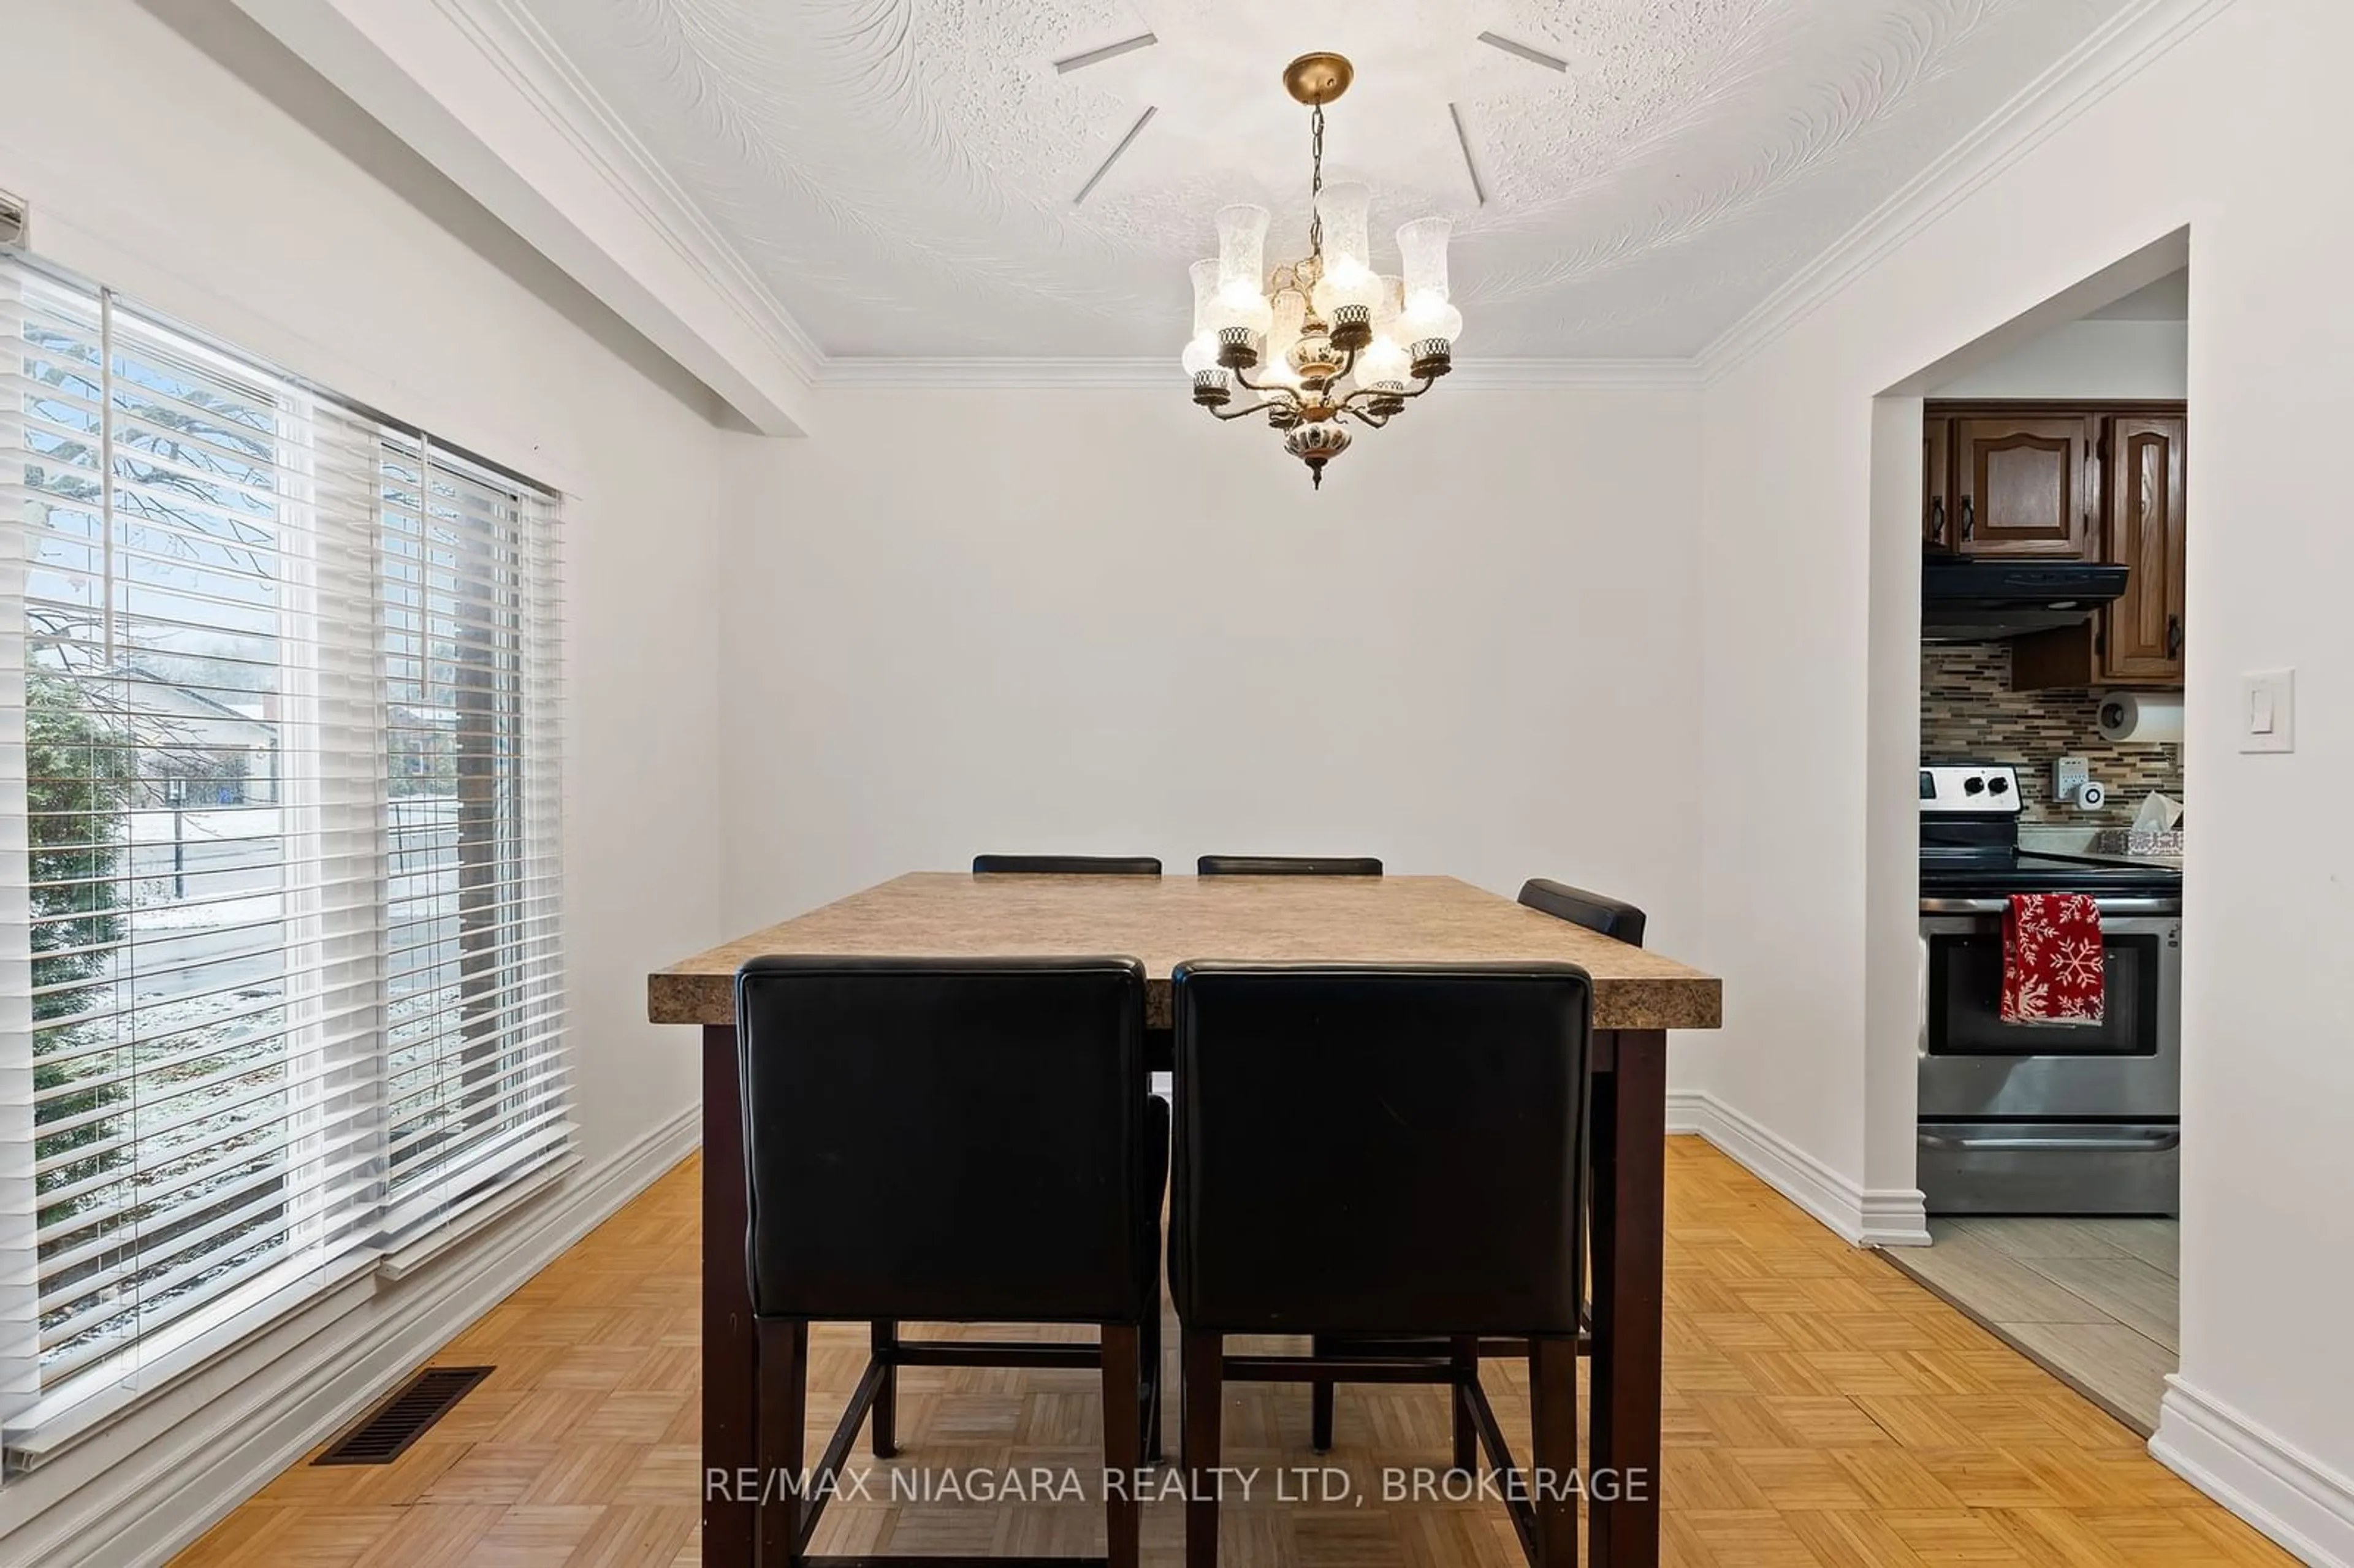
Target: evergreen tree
78 783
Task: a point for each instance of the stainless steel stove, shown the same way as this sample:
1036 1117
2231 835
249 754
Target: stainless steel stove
2041 1118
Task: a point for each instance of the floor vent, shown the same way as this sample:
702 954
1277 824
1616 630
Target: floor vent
403 1419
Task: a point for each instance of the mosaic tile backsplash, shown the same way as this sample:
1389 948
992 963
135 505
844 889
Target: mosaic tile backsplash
1969 713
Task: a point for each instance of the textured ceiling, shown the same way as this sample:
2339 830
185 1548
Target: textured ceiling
904 174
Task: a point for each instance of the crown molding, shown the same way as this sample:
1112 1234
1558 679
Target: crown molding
1480 375
1161 375
477 90
2111 56
575 109
903 374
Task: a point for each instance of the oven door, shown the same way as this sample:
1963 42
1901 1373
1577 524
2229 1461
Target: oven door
1974 1066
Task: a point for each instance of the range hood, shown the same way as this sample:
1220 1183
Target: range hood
1966 600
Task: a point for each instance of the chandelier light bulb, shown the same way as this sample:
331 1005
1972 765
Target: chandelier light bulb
1289 313
1383 366
1201 354
1342 208
1422 251
1242 250
1239 304
1352 284
1205 277
1426 317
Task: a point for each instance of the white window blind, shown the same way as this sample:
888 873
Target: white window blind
278 830
475 1088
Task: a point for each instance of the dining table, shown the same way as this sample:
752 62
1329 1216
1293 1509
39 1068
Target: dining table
1638 995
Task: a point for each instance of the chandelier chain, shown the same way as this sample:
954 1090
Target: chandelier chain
1316 182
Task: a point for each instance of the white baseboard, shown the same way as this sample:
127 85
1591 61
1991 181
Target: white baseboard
1887 1217
154 1494
1896 1216
2290 1496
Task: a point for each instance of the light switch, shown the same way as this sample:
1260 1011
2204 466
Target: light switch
2268 711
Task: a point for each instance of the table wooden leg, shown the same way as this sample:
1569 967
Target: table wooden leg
731 1346
780 1506
1631 1128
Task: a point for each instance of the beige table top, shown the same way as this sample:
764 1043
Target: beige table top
1165 920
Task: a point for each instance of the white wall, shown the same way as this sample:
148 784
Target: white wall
1097 621
2121 359
151 166
2237 131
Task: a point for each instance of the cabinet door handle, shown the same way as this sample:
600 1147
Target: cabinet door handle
1970 516
1937 518
2174 637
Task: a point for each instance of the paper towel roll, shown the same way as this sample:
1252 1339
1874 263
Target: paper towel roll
2140 716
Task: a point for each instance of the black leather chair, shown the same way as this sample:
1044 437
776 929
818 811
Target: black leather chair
1286 865
1067 864
949 1140
1327 1116
1610 917
1619 921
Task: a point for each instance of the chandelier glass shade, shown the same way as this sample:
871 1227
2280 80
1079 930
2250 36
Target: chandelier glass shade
1320 342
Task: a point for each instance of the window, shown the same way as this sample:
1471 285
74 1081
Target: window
281 970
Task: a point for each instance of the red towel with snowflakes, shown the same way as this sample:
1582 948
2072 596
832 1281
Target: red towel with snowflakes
2051 969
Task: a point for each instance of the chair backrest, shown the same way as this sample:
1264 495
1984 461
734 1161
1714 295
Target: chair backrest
948 1140
1286 865
1621 922
1067 864
1380 1150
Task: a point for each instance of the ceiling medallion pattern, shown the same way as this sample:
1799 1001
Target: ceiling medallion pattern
1628 176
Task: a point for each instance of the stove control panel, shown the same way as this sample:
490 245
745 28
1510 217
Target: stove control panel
1975 788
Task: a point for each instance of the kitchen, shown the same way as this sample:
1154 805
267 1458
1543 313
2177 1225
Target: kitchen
2051 787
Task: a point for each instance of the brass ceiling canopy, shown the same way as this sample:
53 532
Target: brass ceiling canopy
1317 80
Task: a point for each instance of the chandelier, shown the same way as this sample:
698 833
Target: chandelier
1331 340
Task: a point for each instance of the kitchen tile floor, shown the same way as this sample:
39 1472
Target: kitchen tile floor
2093 1301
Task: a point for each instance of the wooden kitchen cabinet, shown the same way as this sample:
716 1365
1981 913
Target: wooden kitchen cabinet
2022 485
1936 483
2143 463
2137 640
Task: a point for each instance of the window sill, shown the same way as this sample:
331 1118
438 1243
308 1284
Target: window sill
315 1298
309 1300
471 1214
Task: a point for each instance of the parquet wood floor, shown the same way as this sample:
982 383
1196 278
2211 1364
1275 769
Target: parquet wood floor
1822 1411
